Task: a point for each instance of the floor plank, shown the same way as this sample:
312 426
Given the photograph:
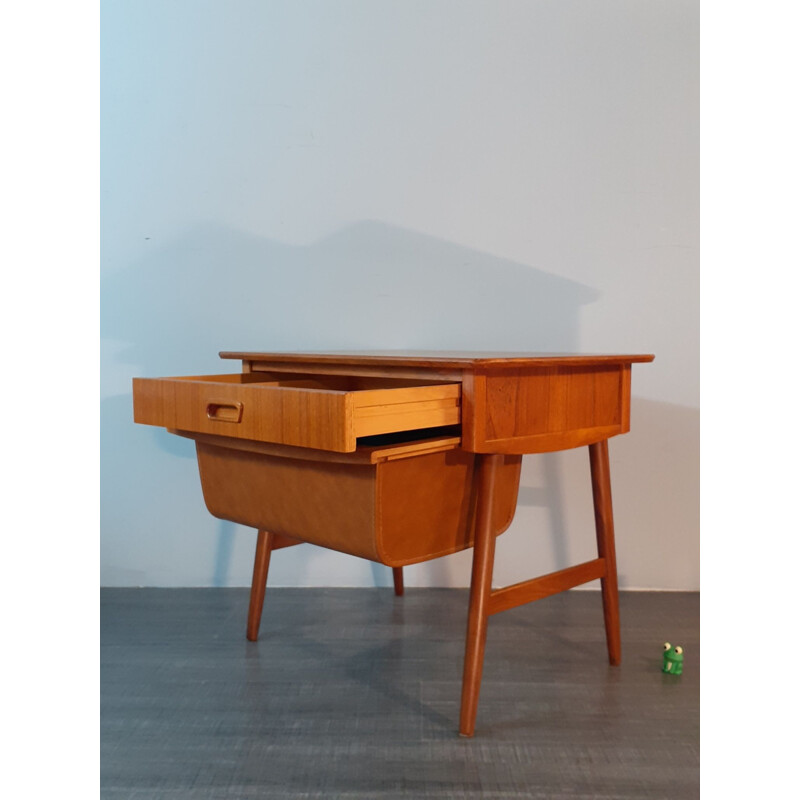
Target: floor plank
354 694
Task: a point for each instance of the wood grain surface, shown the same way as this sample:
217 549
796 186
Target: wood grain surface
323 412
439 358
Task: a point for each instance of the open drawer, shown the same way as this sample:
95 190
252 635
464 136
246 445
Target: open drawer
326 412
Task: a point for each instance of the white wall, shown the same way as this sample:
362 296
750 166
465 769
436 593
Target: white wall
289 175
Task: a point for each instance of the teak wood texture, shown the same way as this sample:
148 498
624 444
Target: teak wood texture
398 510
540 409
400 457
325 412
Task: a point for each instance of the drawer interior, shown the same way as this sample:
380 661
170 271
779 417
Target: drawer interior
301 380
419 437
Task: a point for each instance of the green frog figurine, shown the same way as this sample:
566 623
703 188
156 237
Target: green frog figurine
673 659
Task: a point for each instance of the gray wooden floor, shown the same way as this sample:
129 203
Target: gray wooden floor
353 693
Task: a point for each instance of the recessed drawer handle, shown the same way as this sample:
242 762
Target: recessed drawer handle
224 411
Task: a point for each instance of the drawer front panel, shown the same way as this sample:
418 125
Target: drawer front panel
538 410
281 414
320 413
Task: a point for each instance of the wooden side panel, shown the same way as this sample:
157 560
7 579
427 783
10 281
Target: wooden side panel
541 409
626 398
426 505
327 504
406 409
397 395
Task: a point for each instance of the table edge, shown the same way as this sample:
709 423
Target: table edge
402 359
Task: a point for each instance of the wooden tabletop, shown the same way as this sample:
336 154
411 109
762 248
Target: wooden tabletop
441 358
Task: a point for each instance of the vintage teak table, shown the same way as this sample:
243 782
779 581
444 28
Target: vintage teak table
400 457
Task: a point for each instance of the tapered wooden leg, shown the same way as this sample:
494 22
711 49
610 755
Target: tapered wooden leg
480 588
260 570
397 574
604 525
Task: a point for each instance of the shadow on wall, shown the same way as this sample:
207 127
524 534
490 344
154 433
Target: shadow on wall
368 286
655 486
